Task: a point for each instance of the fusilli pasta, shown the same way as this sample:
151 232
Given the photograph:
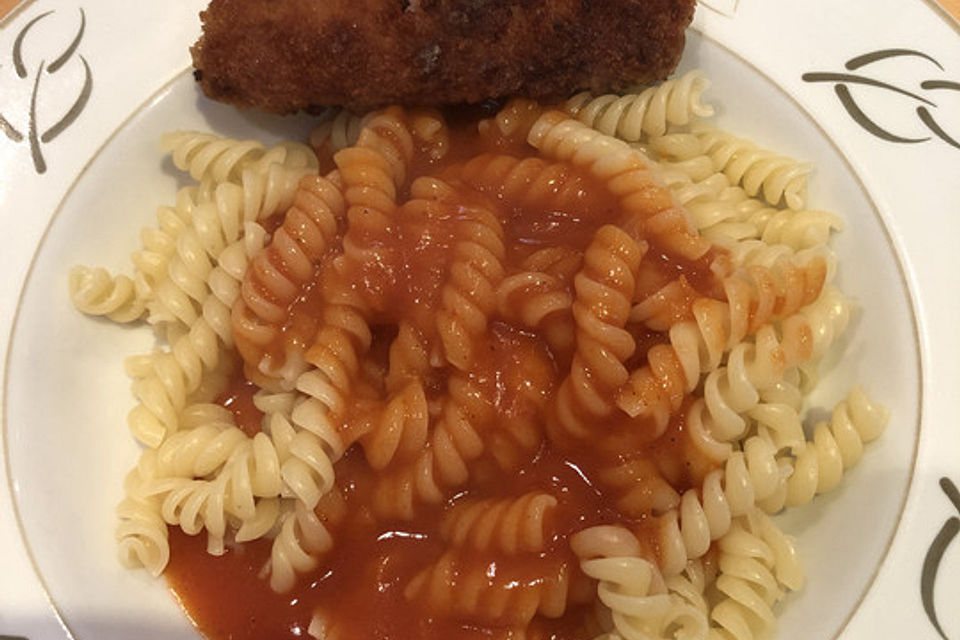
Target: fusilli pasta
648 113
511 525
604 289
538 376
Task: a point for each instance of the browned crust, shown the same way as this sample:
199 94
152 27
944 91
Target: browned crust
288 55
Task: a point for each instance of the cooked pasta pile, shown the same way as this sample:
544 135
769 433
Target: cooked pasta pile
542 375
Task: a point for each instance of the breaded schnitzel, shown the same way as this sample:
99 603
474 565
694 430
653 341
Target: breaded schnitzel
288 55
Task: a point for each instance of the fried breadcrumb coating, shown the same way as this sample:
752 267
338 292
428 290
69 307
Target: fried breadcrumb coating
289 55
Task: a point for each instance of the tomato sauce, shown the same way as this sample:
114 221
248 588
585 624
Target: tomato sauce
361 589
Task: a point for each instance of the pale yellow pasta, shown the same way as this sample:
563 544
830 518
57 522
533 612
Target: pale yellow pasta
310 447
631 117
204 155
302 538
641 603
511 525
94 291
339 130
141 532
778 178
703 303
705 514
836 446
755 562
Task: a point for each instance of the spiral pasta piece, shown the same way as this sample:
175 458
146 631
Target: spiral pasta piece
252 473
340 342
226 279
239 489
371 172
159 244
468 298
164 380
443 463
752 573
278 273
339 130
541 296
541 301
750 252
637 488
729 392
214 225
633 117
528 181
511 525
735 217
779 424
217 212
307 446
561 138
706 513
194 505
205 154
836 446
512 122
604 290
95 292
718 219
802 229
755 298
690 189
142 536
455 585
304 536
400 431
646 203
141 533
209 156
271 189
199 451
777 177
633 589
409 357
430 132
160 386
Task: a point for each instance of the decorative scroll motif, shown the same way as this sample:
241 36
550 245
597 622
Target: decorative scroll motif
35 132
926 98
931 562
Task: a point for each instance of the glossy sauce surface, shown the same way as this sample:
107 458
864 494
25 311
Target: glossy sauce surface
358 589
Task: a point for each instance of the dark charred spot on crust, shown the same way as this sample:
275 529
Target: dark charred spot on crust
429 58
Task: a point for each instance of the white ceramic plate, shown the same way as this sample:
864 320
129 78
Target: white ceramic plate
876 109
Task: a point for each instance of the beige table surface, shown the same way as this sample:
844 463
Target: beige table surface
952 7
